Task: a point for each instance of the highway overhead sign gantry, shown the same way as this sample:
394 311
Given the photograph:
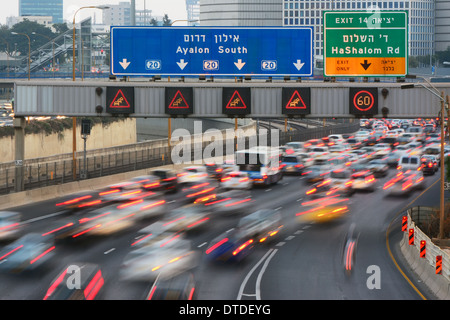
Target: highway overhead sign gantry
212 51
365 43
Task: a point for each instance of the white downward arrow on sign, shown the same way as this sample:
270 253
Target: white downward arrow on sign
239 64
124 64
299 64
182 64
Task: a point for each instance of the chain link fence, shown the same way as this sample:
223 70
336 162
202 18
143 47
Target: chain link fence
103 162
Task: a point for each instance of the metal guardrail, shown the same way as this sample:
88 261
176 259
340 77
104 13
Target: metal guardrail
45 172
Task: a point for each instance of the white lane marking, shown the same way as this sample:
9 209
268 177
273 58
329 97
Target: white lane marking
241 289
289 238
201 245
44 217
298 231
281 243
109 251
260 275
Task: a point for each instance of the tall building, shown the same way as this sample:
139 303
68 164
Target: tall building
120 15
53 8
442 19
193 12
241 13
420 14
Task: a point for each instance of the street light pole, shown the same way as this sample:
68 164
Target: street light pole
440 95
29 50
74 119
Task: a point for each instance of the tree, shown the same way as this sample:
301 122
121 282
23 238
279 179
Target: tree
60 28
42 33
166 21
154 22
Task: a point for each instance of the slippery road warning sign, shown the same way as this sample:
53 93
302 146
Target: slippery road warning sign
120 100
236 101
179 101
296 101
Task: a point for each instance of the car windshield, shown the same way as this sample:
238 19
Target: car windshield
339 175
289 159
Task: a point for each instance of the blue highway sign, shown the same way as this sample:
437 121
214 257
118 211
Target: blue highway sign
213 51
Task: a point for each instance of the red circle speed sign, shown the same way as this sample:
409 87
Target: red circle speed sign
363 100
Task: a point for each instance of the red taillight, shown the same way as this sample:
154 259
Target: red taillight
42 254
215 246
94 286
55 285
242 247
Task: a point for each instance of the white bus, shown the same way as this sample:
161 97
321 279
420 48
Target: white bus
261 163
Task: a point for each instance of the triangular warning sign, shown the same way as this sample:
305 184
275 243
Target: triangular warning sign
236 102
296 102
178 102
120 101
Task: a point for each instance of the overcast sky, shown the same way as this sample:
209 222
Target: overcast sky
176 9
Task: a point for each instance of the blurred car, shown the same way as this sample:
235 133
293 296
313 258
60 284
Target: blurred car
168 179
180 287
354 143
336 138
229 202
324 209
407 162
433 150
371 140
293 147
193 174
428 165
156 233
147 263
10 225
292 164
214 171
307 160
236 180
433 159
315 151
229 165
364 180
404 139
337 149
260 225
191 191
405 182
357 167
379 167
81 201
382 149
231 246
138 187
27 253
187 218
116 218
315 174
90 283
341 179
392 159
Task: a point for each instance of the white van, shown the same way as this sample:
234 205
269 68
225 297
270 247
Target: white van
407 162
417 132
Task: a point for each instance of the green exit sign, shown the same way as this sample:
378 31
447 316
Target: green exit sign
362 43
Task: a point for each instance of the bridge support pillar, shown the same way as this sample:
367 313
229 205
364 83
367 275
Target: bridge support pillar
19 141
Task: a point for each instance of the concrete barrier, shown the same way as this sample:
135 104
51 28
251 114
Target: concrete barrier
425 268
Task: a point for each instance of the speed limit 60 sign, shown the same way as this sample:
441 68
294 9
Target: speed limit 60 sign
363 101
